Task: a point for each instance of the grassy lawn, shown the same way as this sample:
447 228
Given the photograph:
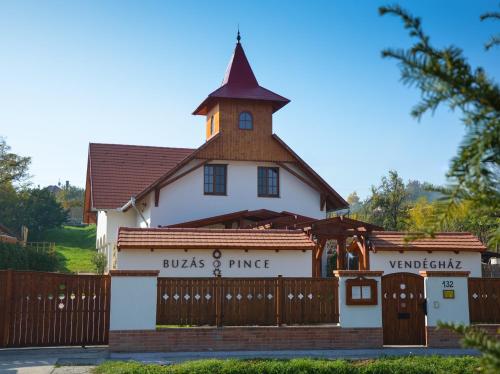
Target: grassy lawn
74 247
404 365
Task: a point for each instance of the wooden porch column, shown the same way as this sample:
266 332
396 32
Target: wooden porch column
341 252
317 257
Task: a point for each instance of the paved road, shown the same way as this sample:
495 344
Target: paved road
71 360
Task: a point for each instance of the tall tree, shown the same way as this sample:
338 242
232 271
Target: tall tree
39 210
70 196
13 168
387 206
444 76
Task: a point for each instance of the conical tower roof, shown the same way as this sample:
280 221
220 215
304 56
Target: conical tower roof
240 83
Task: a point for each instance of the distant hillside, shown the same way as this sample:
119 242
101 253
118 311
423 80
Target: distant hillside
74 246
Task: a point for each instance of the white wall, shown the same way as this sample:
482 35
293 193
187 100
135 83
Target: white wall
133 303
263 263
446 310
415 261
108 223
145 207
184 200
359 315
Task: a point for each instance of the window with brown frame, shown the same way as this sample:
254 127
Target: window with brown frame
361 291
268 182
215 179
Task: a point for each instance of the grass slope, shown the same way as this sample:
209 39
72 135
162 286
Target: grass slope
74 247
403 365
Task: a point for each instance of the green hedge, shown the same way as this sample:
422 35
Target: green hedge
403 365
14 256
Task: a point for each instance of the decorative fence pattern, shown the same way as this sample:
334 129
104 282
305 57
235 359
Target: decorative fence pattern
246 301
484 300
44 309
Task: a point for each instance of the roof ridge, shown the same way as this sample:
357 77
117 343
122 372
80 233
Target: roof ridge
142 146
206 230
378 232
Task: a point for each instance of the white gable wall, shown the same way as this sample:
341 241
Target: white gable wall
184 200
145 208
108 223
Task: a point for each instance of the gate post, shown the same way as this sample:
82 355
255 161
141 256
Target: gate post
360 303
133 299
447 296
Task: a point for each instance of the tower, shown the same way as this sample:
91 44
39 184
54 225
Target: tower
241 112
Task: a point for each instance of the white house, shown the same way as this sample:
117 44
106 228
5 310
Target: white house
194 212
242 166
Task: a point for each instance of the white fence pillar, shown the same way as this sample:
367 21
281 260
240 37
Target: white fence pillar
360 298
447 295
133 299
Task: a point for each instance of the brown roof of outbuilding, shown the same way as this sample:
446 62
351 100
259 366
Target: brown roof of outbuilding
193 238
117 172
443 241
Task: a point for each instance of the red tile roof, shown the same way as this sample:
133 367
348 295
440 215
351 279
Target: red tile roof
118 172
443 241
193 238
240 83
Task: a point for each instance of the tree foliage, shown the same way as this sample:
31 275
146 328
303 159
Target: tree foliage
13 168
70 196
387 205
473 337
21 205
39 211
444 76
418 207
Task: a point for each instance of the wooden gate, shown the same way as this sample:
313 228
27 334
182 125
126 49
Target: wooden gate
403 309
247 301
48 309
484 300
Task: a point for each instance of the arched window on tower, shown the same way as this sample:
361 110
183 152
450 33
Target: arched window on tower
212 126
246 121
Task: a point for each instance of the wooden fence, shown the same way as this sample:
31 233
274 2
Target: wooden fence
484 300
490 270
246 301
48 309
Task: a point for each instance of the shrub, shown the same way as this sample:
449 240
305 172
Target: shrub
100 261
17 257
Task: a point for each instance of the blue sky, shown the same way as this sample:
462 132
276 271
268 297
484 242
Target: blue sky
132 72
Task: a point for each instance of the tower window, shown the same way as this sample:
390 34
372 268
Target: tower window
212 126
268 182
246 121
215 179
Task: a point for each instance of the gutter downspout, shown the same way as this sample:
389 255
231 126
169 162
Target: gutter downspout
131 203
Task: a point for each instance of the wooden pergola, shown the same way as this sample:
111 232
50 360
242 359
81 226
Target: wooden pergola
340 229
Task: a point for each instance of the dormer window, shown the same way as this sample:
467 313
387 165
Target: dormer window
246 121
